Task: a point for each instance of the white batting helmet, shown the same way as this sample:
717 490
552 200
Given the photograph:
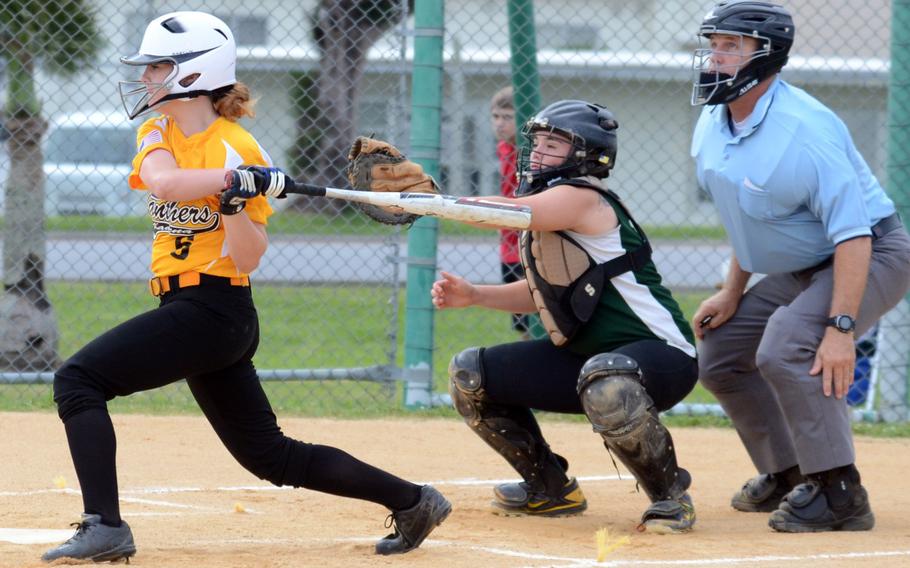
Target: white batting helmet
196 44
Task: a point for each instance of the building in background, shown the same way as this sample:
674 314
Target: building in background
632 55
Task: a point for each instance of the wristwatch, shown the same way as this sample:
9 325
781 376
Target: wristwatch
842 323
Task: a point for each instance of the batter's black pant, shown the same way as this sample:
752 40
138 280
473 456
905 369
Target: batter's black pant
208 335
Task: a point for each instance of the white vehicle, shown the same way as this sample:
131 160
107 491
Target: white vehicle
86 163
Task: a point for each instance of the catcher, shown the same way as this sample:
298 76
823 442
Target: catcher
619 349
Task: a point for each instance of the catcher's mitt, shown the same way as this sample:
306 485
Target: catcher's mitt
374 165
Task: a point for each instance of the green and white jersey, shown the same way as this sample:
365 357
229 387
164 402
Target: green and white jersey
635 305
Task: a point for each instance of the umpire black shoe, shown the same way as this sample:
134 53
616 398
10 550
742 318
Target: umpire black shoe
96 542
822 505
520 499
763 493
413 525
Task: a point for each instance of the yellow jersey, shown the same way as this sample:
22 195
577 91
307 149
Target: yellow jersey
189 235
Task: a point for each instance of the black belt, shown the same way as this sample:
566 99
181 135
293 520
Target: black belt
886 225
879 230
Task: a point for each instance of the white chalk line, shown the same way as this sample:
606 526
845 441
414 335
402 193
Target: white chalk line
160 503
135 500
585 563
470 481
570 561
34 536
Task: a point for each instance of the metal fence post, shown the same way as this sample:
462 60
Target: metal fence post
895 407
525 86
426 112
523 60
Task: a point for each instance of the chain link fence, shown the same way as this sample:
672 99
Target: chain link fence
330 290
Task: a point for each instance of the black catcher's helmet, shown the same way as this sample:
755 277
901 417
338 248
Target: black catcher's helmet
769 23
589 127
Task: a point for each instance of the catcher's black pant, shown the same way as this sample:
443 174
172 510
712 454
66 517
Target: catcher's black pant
208 335
538 375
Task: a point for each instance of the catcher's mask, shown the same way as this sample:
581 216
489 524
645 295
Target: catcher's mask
202 51
768 23
589 128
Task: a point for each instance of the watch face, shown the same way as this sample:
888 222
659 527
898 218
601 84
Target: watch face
844 323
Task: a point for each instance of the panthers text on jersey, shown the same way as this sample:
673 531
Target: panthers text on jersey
189 235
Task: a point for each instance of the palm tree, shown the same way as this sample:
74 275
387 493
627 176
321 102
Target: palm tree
344 31
63 37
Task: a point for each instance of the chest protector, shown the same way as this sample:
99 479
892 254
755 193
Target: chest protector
566 282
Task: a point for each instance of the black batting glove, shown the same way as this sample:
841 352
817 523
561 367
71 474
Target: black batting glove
247 182
250 181
231 205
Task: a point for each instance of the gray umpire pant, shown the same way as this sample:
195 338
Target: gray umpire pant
757 364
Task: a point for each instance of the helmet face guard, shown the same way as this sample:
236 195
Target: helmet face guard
713 85
534 175
202 51
137 96
768 23
590 131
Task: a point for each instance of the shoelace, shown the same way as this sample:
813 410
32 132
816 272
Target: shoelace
391 521
81 528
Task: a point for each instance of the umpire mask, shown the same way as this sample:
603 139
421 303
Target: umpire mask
722 74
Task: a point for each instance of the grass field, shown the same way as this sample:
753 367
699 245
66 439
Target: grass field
302 327
307 327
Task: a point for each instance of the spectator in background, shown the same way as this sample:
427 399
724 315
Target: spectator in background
502 115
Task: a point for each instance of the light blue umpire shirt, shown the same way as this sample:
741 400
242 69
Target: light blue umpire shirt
791 185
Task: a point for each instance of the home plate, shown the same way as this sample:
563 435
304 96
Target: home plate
34 536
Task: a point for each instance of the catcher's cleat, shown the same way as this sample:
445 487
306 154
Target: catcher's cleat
413 525
807 509
519 500
517 494
672 516
763 493
513 494
96 542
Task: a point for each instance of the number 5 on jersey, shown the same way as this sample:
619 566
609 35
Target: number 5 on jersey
182 247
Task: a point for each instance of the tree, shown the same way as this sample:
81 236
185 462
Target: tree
344 31
62 36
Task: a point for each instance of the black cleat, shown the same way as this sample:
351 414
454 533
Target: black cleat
96 542
761 494
513 494
806 509
519 500
413 525
672 516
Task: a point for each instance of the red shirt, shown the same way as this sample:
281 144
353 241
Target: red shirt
508 183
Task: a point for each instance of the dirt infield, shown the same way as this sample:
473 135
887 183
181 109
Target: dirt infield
181 493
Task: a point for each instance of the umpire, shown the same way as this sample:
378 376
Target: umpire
800 205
